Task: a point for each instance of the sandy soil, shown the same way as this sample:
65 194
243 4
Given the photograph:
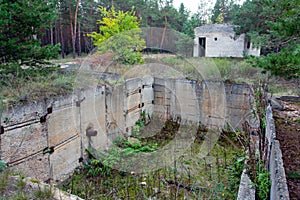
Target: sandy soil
287 124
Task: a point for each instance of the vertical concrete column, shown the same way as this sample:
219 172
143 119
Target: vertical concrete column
133 102
148 97
64 148
213 104
187 105
115 115
163 97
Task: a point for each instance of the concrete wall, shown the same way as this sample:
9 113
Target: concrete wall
221 41
214 104
279 189
47 139
220 45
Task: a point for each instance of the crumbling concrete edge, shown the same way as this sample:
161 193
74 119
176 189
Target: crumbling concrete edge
279 189
246 189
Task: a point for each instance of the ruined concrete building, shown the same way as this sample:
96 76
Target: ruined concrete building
218 40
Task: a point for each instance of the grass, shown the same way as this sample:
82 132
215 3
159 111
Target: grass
28 88
214 176
4 180
28 85
44 194
13 186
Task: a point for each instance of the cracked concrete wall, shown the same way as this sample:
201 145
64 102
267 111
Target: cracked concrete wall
279 189
47 139
214 104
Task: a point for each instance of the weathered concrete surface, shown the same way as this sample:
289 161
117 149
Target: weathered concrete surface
133 105
214 104
21 143
279 189
186 103
23 114
218 40
63 122
92 119
240 101
52 135
148 97
65 158
37 165
115 115
246 192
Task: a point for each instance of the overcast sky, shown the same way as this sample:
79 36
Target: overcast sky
192 5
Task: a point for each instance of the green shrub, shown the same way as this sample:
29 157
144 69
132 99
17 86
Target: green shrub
44 194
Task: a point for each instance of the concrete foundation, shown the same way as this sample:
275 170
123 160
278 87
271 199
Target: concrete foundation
48 139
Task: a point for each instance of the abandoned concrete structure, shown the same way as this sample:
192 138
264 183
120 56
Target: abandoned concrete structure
217 40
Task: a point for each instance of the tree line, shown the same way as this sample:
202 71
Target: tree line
77 18
34 31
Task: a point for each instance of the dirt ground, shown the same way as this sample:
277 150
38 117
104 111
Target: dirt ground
287 123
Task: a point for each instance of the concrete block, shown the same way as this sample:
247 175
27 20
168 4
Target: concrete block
65 159
133 84
147 95
148 81
36 166
22 113
93 120
115 118
279 189
133 101
246 192
132 117
63 124
19 143
241 89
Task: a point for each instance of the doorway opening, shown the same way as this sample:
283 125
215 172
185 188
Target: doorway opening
202 46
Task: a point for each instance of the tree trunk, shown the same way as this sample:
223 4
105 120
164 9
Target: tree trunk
61 36
164 33
56 33
79 40
73 28
51 34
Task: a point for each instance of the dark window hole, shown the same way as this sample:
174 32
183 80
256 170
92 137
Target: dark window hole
80 160
1 130
43 119
49 110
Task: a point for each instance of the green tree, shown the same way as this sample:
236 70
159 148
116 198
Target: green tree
20 23
190 25
221 10
184 45
120 34
273 25
182 18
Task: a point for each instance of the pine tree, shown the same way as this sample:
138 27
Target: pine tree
220 13
20 23
274 26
